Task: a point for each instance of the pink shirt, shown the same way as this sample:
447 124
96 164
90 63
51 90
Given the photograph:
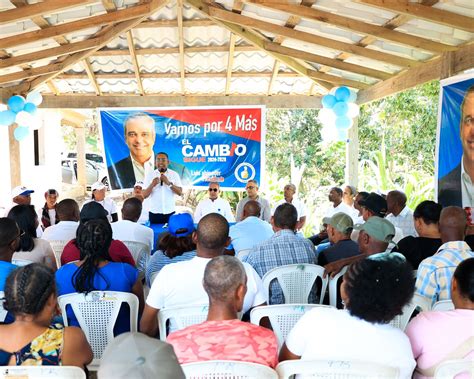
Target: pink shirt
433 335
228 340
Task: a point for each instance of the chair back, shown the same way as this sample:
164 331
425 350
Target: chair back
419 303
334 285
181 317
335 369
296 282
3 312
58 248
140 253
21 262
227 370
97 313
242 254
282 317
443 305
449 369
42 372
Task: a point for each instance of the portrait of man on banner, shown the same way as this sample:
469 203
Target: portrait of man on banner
456 145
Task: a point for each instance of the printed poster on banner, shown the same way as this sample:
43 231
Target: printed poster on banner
224 144
455 142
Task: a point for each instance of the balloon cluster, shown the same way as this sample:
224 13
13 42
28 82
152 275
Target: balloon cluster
22 112
339 109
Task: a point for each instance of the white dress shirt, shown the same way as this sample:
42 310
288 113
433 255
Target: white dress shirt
404 221
126 230
162 198
62 231
467 188
218 205
342 207
140 171
108 204
297 203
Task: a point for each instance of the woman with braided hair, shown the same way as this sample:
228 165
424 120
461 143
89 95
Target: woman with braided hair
30 295
96 272
374 291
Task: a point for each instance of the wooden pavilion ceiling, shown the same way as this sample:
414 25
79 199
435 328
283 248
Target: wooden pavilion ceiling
134 52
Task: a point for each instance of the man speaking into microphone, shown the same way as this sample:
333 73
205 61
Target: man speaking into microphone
161 187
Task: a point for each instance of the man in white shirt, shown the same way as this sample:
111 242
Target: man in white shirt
399 214
128 229
180 284
161 187
138 193
21 195
289 193
214 204
67 211
335 197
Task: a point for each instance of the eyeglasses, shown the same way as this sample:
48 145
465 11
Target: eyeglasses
250 187
213 189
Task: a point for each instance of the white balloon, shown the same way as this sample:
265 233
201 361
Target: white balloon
24 118
3 107
329 133
34 97
36 123
353 110
326 116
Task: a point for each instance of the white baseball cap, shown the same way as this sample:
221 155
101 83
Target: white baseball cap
139 183
98 186
21 190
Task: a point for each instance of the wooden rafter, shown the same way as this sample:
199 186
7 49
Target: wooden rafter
90 74
175 50
424 12
52 87
176 75
74 26
179 6
230 63
105 35
240 20
174 23
379 32
276 68
33 10
251 38
136 66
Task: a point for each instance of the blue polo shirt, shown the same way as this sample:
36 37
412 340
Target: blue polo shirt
5 269
248 233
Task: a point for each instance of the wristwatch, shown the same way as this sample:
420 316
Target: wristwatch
170 185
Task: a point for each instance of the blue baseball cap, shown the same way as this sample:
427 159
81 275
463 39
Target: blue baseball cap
181 225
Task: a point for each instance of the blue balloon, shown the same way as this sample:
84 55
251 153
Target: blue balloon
343 122
340 108
343 93
16 103
342 135
21 132
30 108
328 101
7 117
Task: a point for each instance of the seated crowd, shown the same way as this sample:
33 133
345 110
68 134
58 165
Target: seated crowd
220 264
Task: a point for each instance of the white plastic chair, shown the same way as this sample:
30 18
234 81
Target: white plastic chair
3 312
242 254
227 370
96 314
418 302
335 369
58 247
296 282
140 253
21 262
282 317
41 372
449 369
443 305
181 317
334 284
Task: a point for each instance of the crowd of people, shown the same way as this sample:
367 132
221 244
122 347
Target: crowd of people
210 259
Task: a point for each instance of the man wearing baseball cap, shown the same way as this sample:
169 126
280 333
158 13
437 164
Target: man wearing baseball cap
138 193
98 195
339 228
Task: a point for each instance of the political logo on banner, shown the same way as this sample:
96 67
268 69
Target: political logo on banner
455 145
203 144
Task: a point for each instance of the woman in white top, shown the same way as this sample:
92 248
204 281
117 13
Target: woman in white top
374 292
98 195
31 249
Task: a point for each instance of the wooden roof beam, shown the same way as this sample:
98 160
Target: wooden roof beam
230 63
179 16
38 9
175 50
353 25
174 23
276 68
240 20
74 26
90 74
136 66
424 12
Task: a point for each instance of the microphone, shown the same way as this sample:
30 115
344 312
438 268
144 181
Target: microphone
162 170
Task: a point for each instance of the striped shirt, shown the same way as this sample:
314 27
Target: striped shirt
160 260
434 273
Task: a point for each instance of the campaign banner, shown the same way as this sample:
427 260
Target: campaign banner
454 147
223 144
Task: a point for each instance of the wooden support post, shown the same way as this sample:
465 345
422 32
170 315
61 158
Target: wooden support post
15 162
352 155
81 156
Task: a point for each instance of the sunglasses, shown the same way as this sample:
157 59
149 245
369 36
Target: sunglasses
250 187
213 189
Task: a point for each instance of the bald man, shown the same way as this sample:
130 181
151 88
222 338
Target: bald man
434 273
399 214
251 230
